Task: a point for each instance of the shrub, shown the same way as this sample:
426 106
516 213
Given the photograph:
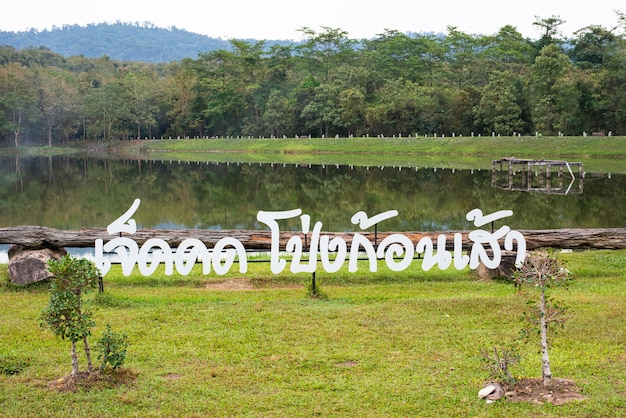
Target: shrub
112 347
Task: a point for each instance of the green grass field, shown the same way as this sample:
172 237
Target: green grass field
599 154
541 147
380 344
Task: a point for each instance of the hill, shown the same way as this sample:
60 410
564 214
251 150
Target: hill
141 42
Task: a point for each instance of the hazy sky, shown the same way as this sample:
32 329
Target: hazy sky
281 19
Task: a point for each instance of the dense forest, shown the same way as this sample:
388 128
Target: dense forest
329 84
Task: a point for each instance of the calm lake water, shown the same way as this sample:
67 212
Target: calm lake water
72 193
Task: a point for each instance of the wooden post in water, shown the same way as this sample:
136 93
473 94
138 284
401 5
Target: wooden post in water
548 176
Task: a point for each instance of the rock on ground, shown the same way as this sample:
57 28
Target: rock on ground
31 266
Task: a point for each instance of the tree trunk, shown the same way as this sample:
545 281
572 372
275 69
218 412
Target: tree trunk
74 360
16 132
50 135
88 354
40 237
546 372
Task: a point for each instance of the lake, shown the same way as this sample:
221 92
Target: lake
72 193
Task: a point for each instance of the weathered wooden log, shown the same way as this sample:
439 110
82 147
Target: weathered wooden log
42 237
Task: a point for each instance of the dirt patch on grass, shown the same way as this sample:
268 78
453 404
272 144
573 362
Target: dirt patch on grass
249 284
350 363
559 391
97 380
231 284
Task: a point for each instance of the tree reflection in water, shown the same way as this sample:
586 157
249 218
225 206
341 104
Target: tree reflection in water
73 193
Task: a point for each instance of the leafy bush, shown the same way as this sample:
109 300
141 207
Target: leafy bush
112 348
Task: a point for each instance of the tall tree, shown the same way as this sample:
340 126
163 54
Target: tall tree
396 55
611 98
594 46
327 49
508 49
17 100
499 109
221 101
277 114
339 103
549 67
142 88
462 52
251 65
106 110
58 99
550 32
280 64
179 95
402 108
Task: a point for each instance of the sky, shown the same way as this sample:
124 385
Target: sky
281 19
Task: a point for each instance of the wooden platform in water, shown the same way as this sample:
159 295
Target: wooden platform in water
537 175
512 162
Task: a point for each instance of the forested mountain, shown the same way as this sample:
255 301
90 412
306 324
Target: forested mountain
120 41
329 84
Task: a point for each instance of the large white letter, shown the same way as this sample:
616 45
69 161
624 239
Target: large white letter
357 241
479 219
184 261
398 244
125 223
103 265
521 246
327 245
460 260
443 257
129 257
295 246
269 218
229 254
164 253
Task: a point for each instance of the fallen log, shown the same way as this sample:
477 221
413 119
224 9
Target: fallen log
43 237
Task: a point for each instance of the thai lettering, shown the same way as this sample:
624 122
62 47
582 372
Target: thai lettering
339 247
442 257
304 251
480 238
396 245
156 251
269 218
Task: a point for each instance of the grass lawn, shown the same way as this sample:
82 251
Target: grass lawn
599 154
380 344
526 146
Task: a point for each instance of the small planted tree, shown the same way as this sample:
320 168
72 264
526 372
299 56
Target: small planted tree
542 271
65 314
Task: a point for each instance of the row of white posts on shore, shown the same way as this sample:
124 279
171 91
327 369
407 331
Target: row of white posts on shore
350 136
